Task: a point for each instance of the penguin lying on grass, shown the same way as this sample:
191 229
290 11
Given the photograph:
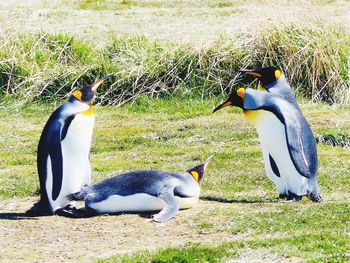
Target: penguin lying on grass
63 153
143 191
288 145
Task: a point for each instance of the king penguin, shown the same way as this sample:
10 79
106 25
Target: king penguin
63 153
143 191
288 145
274 81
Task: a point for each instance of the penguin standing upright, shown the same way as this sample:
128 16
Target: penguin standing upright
63 153
143 191
289 147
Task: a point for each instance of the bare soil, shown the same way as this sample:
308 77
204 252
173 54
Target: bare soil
59 239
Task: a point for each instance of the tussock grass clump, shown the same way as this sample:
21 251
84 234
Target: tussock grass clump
336 140
43 66
316 60
48 67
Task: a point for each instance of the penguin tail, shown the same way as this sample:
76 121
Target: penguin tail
41 208
78 195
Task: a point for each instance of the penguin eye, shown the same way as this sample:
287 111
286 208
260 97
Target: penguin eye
277 74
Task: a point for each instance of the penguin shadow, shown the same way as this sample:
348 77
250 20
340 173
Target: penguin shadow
86 213
16 216
237 201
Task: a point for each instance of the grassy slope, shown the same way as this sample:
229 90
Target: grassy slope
176 134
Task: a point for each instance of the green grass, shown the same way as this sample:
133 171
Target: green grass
297 232
170 134
48 67
175 134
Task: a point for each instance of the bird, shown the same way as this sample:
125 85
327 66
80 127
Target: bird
142 191
63 153
272 80
288 145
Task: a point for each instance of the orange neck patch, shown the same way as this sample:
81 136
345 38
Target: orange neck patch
89 112
252 115
261 88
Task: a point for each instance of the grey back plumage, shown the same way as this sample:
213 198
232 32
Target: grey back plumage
282 88
150 182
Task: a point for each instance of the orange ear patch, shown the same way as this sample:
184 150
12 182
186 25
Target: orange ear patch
278 74
195 175
241 92
77 94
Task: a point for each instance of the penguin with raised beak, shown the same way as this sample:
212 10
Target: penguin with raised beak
63 153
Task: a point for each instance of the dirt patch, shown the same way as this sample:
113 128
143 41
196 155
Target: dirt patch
54 238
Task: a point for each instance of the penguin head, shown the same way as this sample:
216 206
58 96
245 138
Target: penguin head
88 93
198 171
266 75
236 99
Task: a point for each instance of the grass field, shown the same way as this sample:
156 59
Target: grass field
174 61
239 216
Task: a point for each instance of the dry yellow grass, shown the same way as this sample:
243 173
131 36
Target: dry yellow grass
196 22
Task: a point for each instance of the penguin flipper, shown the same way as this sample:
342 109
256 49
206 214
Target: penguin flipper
302 146
170 209
56 163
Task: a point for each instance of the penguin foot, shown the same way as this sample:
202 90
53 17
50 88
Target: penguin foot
71 212
282 196
315 197
39 209
297 198
293 197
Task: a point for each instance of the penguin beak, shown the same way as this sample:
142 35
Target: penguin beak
223 105
250 73
207 162
100 82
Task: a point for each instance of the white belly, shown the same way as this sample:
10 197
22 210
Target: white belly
273 141
76 164
137 203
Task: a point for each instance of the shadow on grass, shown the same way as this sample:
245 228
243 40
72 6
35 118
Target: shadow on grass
238 201
16 216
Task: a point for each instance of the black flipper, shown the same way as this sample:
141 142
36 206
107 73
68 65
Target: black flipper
274 166
84 191
56 163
